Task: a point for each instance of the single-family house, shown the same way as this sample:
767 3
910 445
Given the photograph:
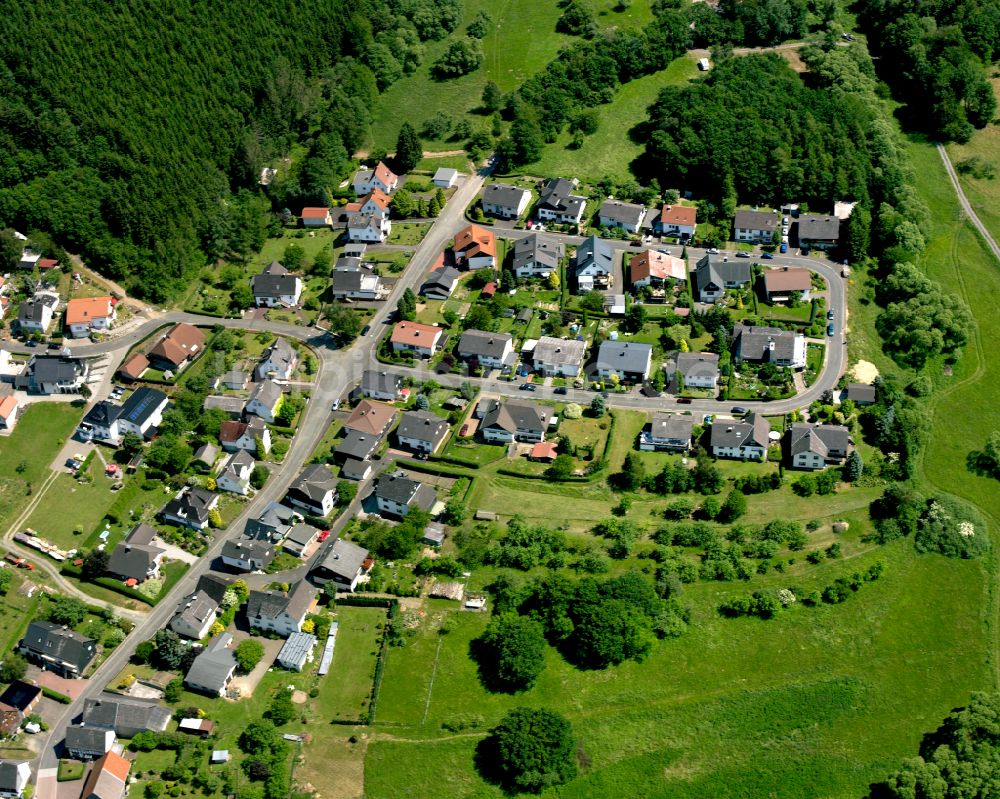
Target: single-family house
88 743
676 220
368 228
593 264
397 494
273 524
277 362
135 563
126 716
345 563
818 232
29 259
14 777
381 385
142 412
371 418
134 368
213 668
755 226
667 432
769 345
265 400
108 778
190 508
314 490
235 380
440 283
352 281
422 431
178 348
781 283
557 203
814 446
35 315
22 696
618 214
356 446
375 202
694 370
420 339
234 476
248 555
489 350
537 255
9 409
316 217
381 177
514 420
629 360
861 394
746 439
52 374
505 201
84 315
299 539
244 435
100 423
297 651
276 287
281 612
57 648
654 268
475 248
558 357
445 178
195 616
716 273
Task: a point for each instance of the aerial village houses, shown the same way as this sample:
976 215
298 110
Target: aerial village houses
213 668
316 217
88 743
654 268
504 201
755 226
667 432
397 495
234 475
381 177
818 232
142 412
514 420
618 214
440 283
352 280
422 431
445 178
135 559
629 361
716 273
177 348
276 287
9 409
190 508
594 264
108 778
419 339
14 778
676 220
57 649
489 350
265 400
558 357
769 345
314 490
84 315
281 612
126 716
234 435
195 616
277 362
694 370
815 446
780 284
381 385
345 564
247 554
297 651
368 228
557 203
475 248
537 255
58 374
35 315
745 439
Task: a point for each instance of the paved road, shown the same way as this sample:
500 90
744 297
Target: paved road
966 205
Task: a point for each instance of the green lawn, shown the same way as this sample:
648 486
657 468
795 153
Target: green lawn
408 232
344 691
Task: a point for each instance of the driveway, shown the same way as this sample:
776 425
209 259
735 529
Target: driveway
248 682
46 679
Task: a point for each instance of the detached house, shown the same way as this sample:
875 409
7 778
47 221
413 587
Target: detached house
618 214
667 432
265 400
142 412
594 264
475 248
676 220
273 523
179 347
489 350
353 281
35 315
58 649
190 508
9 409
769 345
87 314
46 374
819 232
746 439
316 217
281 612
504 201
108 778
244 435
354 451
14 778
368 228
397 495
537 255
695 369
716 273
278 362
558 357
422 431
654 268
248 555
557 202
422 340
195 616
754 226
127 717
345 564
314 490
440 283
213 669
134 563
779 284
234 476
381 385
375 202
276 287
88 743
371 418
381 177
629 360
814 446
100 423
514 420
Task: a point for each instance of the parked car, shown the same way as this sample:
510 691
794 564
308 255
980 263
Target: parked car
324 535
366 330
739 410
784 247
336 405
527 387
713 250
30 343
766 256
829 314
683 400
830 329
742 255
54 346
560 390
465 430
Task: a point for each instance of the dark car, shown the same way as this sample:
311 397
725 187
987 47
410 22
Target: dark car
30 343
830 329
784 247
366 330
683 400
527 387
766 256
560 390
739 410
53 346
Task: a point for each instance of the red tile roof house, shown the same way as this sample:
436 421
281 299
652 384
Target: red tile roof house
475 248
381 178
9 408
421 340
316 217
86 314
676 220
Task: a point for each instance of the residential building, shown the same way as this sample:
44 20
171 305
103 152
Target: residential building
234 476
57 648
397 494
818 232
716 273
14 778
654 268
345 563
594 264
352 281
557 202
127 717
276 287
299 539
178 348
422 431
21 696
108 778
537 255
215 585
195 616
273 524
316 217
212 670
235 380
746 439
232 406
368 228
445 178
514 420
88 743
297 651
422 340
371 418
281 612
84 315
314 490
265 400
142 412
489 350
381 385
35 315
505 201
629 360
244 435
134 367
29 259
248 555
277 362
475 248
9 408
48 374
100 423
375 203
676 220
755 226
815 446
781 283
356 446
695 369
769 345
190 508
355 469
667 432
381 177
135 563
558 357
618 214
440 283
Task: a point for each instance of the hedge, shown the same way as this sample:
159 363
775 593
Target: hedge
58 697
431 468
357 601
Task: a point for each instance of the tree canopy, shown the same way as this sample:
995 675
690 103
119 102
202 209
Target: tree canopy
529 750
511 653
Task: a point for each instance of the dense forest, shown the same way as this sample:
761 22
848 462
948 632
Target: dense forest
129 131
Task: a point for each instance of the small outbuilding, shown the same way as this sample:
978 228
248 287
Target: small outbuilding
445 178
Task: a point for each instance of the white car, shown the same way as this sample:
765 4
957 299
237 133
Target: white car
713 250
336 405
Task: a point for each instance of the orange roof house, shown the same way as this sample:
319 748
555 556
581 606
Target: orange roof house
416 337
544 451
90 311
673 217
316 217
8 412
476 246
377 196
108 778
133 368
386 175
370 417
653 266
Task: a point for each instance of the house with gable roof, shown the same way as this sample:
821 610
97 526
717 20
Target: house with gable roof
557 203
381 177
505 201
276 287
475 248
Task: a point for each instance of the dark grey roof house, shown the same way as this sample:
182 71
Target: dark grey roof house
716 273
398 494
537 254
280 612
190 508
57 649
768 344
314 490
440 283
815 446
88 743
213 668
615 213
381 385
248 554
52 375
344 563
139 562
127 717
273 523
819 232
422 431
357 445
557 202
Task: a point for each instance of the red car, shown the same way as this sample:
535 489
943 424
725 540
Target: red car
324 535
